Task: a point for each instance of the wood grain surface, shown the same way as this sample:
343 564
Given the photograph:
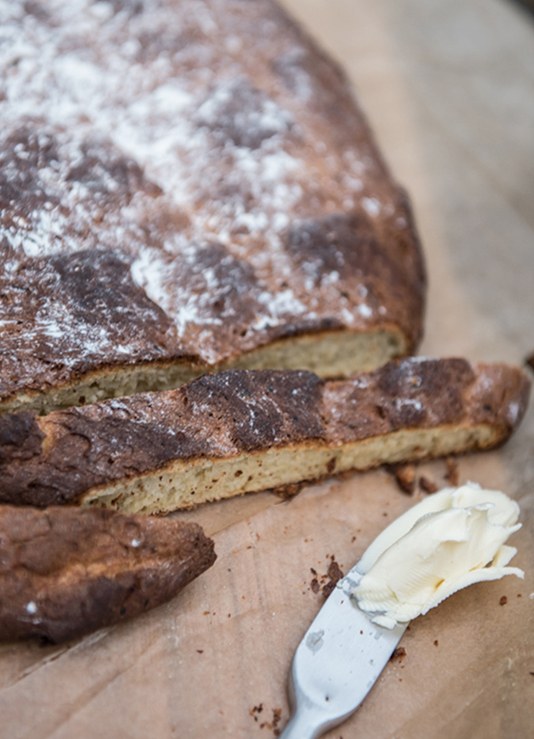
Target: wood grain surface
448 87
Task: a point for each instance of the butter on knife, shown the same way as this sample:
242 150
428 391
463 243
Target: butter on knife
445 543
448 541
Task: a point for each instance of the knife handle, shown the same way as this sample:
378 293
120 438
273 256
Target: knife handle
303 725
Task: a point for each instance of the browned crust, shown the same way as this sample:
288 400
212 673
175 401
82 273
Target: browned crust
72 309
60 457
65 572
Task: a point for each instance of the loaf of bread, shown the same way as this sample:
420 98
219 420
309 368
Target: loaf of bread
243 430
65 572
187 186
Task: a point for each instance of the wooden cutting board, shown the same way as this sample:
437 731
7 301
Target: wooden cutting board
448 87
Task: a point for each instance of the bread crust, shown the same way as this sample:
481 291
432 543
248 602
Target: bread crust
65 572
72 454
269 216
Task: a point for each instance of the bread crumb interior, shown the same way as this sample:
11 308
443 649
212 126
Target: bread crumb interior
186 484
328 354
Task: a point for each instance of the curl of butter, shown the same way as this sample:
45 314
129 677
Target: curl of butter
452 539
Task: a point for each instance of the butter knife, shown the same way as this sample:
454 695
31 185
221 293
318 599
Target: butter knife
457 537
337 662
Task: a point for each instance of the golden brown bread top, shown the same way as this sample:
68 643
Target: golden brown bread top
177 185
67 571
58 458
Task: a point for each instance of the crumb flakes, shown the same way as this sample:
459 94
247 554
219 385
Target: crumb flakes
398 654
405 477
326 583
427 485
453 473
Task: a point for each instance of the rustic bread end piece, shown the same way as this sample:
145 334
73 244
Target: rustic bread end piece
242 431
65 572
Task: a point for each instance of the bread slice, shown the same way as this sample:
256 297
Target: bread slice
188 187
67 571
241 431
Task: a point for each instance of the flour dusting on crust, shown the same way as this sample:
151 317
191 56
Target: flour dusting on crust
156 133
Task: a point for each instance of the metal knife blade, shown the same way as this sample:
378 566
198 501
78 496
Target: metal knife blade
336 664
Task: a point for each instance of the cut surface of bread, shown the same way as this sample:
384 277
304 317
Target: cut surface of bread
66 571
241 431
327 354
213 199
